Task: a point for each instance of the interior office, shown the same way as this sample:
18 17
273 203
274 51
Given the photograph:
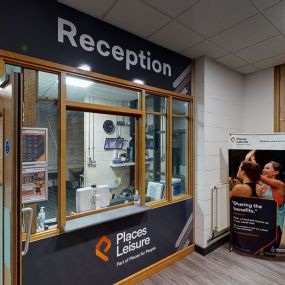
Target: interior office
226 101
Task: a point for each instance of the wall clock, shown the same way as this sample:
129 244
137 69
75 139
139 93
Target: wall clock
109 126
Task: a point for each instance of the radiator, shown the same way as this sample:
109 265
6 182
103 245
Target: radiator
221 207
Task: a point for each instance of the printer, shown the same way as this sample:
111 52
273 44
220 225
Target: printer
92 198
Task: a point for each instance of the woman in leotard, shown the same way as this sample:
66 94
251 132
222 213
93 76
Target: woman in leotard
272 183
249 174
274 189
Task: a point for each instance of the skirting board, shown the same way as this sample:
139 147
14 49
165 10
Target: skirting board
213 246
156 267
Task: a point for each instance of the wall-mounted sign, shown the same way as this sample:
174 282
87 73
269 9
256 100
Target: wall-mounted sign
7 147
73 38
144 239
34 145
34 184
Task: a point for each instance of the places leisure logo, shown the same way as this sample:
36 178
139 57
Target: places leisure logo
129 246
105 244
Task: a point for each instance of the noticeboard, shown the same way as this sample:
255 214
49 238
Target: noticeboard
34 183
34 145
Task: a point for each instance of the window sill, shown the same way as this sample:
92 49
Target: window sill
100 218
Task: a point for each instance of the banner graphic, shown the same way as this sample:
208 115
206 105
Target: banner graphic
257 188
106 253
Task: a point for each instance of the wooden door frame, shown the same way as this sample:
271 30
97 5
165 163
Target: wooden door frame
12 175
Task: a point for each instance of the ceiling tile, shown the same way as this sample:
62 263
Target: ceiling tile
136 17
276 15
271 47
269 62
175 37
232 61
264 4
170 7
205 48
93 8
211 17
247 69
245 34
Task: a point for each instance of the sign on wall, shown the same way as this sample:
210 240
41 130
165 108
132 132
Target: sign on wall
111 251
34 161
257 224
34 183
74 38
34 145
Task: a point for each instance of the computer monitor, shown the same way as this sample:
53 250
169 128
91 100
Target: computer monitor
114 143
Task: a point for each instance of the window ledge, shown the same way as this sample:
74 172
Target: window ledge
100 218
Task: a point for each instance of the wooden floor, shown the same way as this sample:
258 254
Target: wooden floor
222 267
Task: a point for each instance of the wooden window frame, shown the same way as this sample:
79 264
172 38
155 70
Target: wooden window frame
140 113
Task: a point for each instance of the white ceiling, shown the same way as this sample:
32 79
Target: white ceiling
245 35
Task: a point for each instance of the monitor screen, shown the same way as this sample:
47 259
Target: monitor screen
114 143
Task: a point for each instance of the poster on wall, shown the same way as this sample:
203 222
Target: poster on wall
34 145
34 184
257 185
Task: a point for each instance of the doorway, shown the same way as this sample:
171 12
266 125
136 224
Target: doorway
10 169
1 196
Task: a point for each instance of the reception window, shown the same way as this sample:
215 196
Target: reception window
100 161
90 145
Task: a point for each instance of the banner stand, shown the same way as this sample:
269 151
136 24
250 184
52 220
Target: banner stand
257 211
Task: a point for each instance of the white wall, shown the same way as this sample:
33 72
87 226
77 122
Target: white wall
226 102
259 102
219 93
94 136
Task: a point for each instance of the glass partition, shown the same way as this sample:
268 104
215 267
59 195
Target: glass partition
88 91
155 148
40 140
180 147
1 196
100 161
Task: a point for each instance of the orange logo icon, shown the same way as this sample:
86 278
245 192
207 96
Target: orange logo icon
99 253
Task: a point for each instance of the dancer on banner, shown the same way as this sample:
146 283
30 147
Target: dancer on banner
249 175
272 183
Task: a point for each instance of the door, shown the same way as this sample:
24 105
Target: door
10 177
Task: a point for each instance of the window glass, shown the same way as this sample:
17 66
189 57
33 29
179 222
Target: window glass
155 104
90 91
40 147
180 108
179 155
155 148
12 68
100 157
155 155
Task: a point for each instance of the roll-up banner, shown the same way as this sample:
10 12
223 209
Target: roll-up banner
257 185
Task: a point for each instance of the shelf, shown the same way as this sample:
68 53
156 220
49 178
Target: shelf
127 164
122 164
155 132
104 217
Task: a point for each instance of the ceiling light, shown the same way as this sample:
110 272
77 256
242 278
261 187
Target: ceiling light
85 67
138 81
75 81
